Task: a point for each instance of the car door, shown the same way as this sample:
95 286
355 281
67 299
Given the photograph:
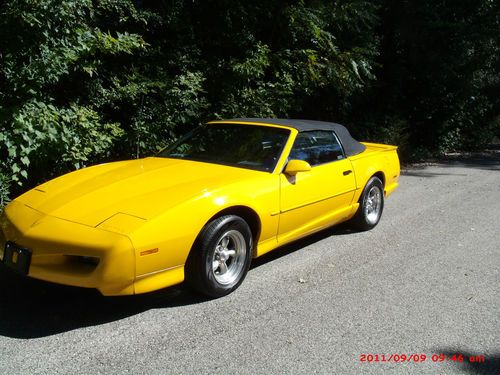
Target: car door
320 197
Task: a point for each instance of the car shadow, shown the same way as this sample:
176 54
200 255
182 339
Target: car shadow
472 363
32 308
338 230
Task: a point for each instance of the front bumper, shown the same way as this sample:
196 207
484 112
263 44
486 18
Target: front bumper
61 251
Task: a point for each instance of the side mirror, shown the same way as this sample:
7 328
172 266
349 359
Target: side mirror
295 166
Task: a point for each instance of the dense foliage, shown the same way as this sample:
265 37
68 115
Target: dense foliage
85 81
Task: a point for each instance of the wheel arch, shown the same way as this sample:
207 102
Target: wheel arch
191 267
247 214
357 218
380 175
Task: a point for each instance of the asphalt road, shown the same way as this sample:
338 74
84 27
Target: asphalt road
424 281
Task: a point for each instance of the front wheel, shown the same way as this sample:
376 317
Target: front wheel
221 257
371 205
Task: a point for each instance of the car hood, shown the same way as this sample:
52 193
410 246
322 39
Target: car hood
142 188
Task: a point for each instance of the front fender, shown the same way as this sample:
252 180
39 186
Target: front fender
171 235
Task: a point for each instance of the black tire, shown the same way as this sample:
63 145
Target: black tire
365 218
202 273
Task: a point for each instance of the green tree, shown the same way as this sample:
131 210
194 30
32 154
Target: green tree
437 82
53 54
83 81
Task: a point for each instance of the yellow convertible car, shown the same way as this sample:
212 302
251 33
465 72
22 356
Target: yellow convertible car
199 210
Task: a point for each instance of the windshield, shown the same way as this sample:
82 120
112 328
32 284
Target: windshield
244 146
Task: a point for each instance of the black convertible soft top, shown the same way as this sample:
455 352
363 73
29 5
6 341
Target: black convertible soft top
351 146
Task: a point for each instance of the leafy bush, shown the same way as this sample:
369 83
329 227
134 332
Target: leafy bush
45 140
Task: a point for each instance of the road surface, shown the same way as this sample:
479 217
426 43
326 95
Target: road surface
424 282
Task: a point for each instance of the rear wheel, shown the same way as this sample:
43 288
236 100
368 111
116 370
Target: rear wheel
221 256
371 205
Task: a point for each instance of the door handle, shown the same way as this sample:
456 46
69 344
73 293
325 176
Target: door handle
348 172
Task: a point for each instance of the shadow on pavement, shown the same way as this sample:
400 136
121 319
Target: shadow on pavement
474 363
338 230
424 173
31 308
485 161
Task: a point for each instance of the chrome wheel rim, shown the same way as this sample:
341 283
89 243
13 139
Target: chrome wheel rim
229 257
373 205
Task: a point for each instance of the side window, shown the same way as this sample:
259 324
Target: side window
316 147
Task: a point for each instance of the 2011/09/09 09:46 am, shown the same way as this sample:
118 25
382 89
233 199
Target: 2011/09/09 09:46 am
422 357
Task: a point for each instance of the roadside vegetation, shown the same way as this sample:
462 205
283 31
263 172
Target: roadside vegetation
87 81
